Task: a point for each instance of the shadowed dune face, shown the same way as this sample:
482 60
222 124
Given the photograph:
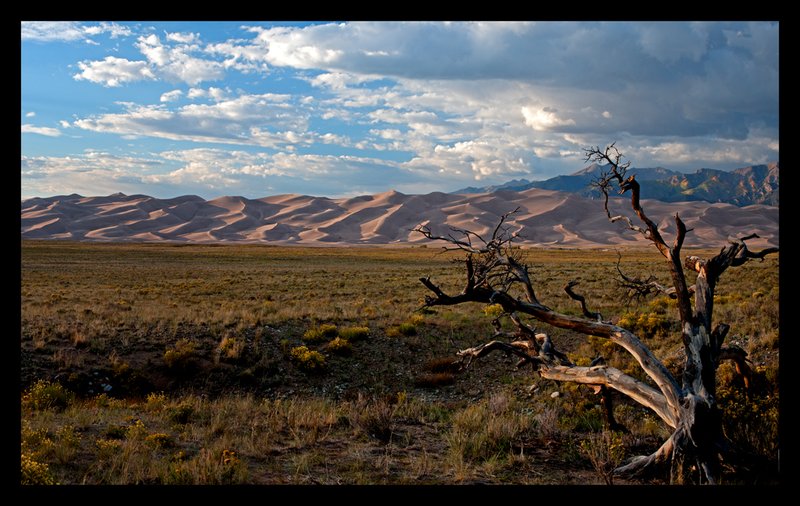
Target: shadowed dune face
545 219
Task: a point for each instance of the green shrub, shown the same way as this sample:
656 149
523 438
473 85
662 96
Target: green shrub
493 310
324 332
156 401
231 348
340 346
107 448
46 395
646 324
160 440
750 422
308 360
136 431
407 329
416 319
354 334
33 472
606 452
180 355
180 414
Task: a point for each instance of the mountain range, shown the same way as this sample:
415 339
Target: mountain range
545 218
756 184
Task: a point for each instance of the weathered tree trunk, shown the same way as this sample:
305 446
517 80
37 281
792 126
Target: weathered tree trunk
691 453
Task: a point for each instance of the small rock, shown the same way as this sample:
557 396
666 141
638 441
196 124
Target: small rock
555 394
533 388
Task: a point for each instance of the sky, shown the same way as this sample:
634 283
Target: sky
353 108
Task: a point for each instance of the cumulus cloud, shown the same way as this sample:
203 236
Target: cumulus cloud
92 172
30 114
209 172
183 38
449 103
474 160
113 30
265 119
113 71
49 132
171 96
579 63
544 118
176 63
213 93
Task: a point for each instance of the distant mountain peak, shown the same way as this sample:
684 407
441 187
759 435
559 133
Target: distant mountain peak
756 184
591 169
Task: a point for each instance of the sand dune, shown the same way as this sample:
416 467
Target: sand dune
545 218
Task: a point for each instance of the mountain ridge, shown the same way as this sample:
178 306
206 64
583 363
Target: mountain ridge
754 184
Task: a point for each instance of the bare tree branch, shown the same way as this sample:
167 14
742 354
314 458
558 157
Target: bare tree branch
582 300
617 172
485 294
600 375
638 288
496 273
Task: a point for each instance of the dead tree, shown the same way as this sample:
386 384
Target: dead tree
495 272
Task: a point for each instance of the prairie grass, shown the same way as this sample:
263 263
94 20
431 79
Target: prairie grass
219 329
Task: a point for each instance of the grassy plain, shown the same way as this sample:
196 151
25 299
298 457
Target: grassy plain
146 363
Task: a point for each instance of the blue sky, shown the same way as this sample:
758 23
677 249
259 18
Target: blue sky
343 109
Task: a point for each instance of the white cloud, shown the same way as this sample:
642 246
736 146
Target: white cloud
196 93
716 70
91 173
113 71
64 124
183 38
49 132
114 30
171 96
30 114
340 80
68 31
704 152
474 160
151 47
216 94
245 59
213 167
265 119
456 101
213 93
175 63
544 119
50 31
